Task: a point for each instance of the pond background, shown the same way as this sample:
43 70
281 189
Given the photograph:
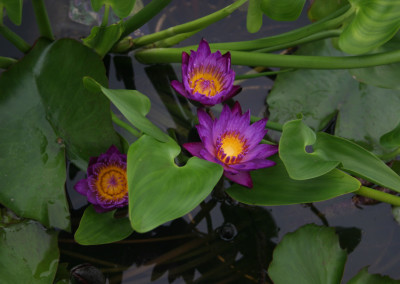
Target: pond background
229 243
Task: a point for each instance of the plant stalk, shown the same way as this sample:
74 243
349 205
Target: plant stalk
143 16
125 125
42 19
15 39
198 24
379 195
6 62
104 22
174 55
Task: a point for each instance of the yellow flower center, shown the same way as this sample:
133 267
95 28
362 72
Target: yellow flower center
231 148
206 81
111 183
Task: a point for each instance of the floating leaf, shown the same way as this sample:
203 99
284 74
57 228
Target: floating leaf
329 148
14 10
121 8
101 228
159 190
320 95
254 16
310 255
282 10
375 23
29 253
45 110
132 104
273 186
102 39
363 277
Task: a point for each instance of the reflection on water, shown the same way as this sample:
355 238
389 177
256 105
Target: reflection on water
220 241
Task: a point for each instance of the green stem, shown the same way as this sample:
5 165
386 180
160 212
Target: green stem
174 55
16 40
143 16
190 26
104 22
42 19
390 156
379 195
311 38
1 14
171 41
6 62
261 74
125 125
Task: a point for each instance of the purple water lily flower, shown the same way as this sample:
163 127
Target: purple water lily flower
206 77
233 143
106 183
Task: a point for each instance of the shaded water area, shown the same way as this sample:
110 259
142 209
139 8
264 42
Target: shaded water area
221 241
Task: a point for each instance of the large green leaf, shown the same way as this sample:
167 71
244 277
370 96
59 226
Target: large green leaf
133 105
29 253
159 190
254 16
375 23
45 110
273 186
102 39
328 150
121 8
282 10
101 228
14 10
320 9
310 255
384 76
363 277
320 95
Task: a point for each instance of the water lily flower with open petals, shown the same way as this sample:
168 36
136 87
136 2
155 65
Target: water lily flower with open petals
106 183
233 143
206 77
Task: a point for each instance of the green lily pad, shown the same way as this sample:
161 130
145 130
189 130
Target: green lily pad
363 277
320 95
159 190
46 111
273 186
121 8
14 10
102 228
132 104
282 10
310 255
375 23
328 150
29 253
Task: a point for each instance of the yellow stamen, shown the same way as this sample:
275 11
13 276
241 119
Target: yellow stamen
231 148
206 82
111 183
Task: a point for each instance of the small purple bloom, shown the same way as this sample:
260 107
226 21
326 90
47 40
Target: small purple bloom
106 183
233 143
207 77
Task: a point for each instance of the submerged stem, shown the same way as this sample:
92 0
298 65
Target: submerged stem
198 24
125 125
378 195
42 19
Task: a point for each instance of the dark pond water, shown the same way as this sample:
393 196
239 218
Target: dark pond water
220 241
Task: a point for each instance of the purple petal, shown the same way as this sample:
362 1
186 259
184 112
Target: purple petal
253 165
100 209
82 186
242 178
261 151
178 86
113 150
233 92
194 148
204 118
203 50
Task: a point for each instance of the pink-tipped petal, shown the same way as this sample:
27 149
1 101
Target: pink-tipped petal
242 178
179 87
194 148
82 186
